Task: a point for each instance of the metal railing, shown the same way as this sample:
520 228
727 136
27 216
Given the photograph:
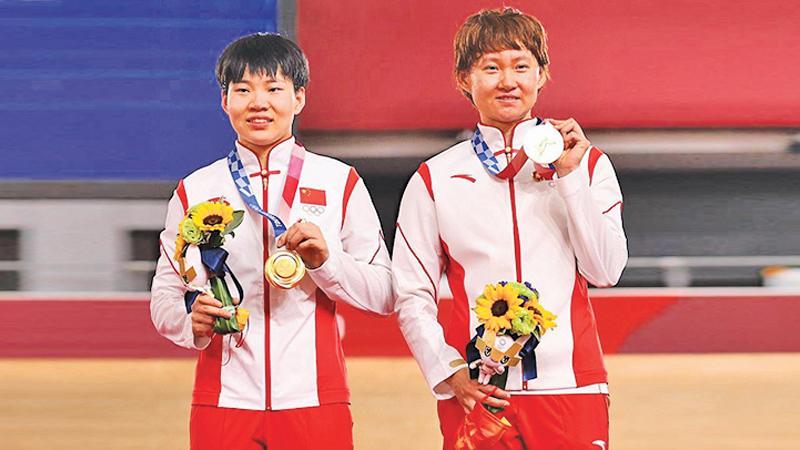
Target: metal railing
676 270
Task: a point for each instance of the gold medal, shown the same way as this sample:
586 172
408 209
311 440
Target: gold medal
284 269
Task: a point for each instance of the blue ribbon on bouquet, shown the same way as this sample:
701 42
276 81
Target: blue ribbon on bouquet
214 258
527 354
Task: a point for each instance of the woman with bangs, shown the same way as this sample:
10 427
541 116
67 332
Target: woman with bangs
556 226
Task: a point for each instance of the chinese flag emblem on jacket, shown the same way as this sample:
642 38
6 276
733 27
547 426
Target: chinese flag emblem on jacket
311 196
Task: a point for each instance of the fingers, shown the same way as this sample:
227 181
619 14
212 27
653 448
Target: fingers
488 394
282 239
494 391
495 396
289 235
565 127
310 244
298 233
208 306
306 239
202 330
205 299
497 403
211 311
468 404
202 319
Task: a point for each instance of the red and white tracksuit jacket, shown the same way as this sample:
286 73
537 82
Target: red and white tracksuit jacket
457 219
291 356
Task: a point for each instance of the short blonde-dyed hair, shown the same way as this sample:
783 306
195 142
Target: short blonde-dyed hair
496 30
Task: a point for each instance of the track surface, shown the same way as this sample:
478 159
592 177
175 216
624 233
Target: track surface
712 401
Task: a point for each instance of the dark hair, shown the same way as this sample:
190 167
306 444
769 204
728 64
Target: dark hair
263 53
495 30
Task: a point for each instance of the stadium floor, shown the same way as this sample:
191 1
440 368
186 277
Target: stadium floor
666 401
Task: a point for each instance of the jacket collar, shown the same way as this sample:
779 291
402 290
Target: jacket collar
513 147
278 157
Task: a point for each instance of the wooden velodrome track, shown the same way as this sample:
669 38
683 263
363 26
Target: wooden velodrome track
688 370
711 401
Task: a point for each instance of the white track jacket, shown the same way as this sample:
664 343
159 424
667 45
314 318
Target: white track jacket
457 219
291 356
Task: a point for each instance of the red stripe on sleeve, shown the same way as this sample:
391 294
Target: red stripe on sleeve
425 173
181 191
613 206
352 179
331 372
594 156
377 250
169 258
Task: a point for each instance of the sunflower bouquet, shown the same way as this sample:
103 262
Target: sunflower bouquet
512 322
203 230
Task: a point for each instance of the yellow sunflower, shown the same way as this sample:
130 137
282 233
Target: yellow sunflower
212 216
543 317
498 306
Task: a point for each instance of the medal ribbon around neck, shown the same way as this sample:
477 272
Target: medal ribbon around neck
242 182
485 154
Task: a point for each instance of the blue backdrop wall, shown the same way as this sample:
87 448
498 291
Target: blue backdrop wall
116 90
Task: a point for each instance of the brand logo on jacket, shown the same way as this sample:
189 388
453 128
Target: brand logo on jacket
463 176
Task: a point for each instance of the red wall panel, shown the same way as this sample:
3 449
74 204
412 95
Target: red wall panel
629 321
680 63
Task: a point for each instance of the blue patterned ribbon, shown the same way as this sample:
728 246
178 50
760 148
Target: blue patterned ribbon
485 154
242 182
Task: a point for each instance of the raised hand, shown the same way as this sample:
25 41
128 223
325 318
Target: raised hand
205 310
306 239
575 145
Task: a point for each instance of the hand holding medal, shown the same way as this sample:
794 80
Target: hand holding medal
543 144
557 144
305 238
575 145
302 245
303 241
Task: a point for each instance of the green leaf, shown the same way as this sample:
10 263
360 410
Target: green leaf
215 239
238 217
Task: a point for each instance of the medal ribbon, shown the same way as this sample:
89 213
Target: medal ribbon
242 182
485 154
